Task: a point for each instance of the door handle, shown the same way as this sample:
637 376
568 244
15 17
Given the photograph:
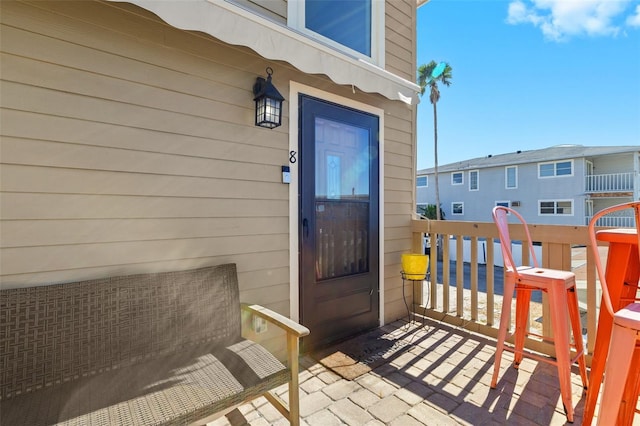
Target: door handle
305 227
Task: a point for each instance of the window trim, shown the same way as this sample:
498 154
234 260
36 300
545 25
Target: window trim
461 176
555 208
506 177
555 169
453 213
296 20
426 179
477 172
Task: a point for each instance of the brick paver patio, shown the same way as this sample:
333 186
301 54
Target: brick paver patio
443 379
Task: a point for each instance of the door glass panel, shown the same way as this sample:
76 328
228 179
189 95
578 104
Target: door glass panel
342 199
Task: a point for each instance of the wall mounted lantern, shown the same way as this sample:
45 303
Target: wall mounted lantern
268 102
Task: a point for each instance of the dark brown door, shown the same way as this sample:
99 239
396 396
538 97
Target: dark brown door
339 242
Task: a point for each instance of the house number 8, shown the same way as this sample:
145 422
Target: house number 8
292 157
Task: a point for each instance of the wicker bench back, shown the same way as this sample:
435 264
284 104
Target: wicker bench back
55 333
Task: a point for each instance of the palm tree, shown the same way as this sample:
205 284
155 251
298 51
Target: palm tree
426 78
430 212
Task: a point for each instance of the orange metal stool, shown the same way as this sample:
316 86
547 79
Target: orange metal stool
563 300
618 329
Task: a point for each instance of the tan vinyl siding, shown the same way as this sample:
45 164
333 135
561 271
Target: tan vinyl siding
273 9
400 19
128 146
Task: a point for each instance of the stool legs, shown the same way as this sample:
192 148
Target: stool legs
523 300
623 342
505 320
563 302
576 326
559 321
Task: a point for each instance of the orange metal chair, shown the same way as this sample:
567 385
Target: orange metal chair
622 376
561 289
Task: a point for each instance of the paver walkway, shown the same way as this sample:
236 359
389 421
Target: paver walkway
443 379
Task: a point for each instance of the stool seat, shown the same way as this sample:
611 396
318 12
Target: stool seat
560 286
542 277
628 317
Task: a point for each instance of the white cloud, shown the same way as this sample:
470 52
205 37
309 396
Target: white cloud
634 19
560 20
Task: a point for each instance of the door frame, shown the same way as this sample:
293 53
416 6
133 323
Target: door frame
295 89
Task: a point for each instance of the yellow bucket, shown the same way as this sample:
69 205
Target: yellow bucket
414 266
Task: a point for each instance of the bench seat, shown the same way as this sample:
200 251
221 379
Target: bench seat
136 350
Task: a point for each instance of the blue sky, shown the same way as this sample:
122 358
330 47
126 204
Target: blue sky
529 74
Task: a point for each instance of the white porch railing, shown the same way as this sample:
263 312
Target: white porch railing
612 182
614 221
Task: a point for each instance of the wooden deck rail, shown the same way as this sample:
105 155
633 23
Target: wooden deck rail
557 243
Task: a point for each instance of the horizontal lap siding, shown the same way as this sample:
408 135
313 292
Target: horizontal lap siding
400 19
400 47
128 146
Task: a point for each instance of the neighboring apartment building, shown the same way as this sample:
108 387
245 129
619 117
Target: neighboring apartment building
562 185
129 145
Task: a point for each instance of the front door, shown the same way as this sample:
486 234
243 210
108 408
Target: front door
339 208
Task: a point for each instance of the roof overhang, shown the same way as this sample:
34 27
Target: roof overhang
234 25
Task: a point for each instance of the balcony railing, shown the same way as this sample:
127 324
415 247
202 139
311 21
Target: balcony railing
615 221
612 182
461 303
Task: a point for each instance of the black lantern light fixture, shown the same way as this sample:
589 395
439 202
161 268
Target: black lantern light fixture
268 102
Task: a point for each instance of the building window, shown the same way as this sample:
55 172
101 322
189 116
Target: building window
422 181
474 180
457 208
556 208
357 25
555 168
511 177
457 178
421 209
503 203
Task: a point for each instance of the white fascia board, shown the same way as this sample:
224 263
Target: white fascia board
235 25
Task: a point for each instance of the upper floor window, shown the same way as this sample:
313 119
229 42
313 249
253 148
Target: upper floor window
555 168
556 207
357 25
457 178
457 207
422 181
474 180
511 177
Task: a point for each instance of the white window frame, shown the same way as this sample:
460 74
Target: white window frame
477 172
296 20
453 213
461 178
506 177
555 207
555 169
426 182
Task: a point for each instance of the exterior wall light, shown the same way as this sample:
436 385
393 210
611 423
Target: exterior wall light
268 102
